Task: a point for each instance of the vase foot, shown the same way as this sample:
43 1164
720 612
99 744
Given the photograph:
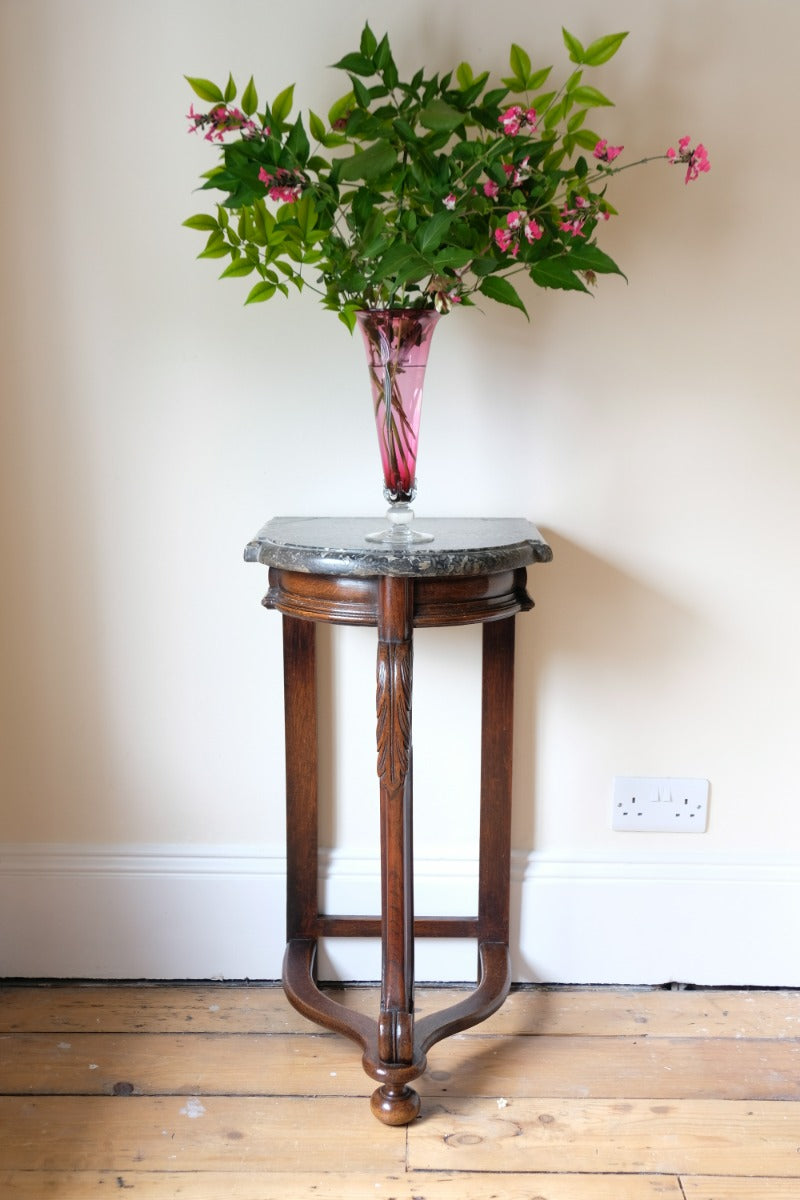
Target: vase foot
399 532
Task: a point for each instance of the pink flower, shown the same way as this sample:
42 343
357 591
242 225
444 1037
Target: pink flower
490 189
605 152
533 230
696 160
285 186
449 201
511 120
514 119
513 220
574 225
503 238
221 120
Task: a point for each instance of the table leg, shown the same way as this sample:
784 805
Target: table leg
300 700
497 730
396 1104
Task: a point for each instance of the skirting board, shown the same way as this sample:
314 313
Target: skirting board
206 912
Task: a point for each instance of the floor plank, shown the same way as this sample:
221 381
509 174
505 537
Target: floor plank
689 1137
177 1133
741 1189
142 1185
297 1065
602 1012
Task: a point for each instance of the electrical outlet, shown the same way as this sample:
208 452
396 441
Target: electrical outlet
659 805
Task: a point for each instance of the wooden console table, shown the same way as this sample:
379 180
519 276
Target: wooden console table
323 569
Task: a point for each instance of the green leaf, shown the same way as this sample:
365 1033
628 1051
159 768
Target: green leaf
385 63
603 49
591 97
205 89
454 257
230 89
201 221
587 139
404 130
396 257
249 99
592 258
356 64
557 273
341 109
576 50
317 126
262 291
496 288
297 143
371 163
361 92
306 214
520 63
557 112
538 78
217 250
464 75
439 115
347 316
369 43
543 101
282 104
239 267
430 233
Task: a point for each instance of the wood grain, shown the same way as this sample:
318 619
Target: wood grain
219 1185
201 1133
693 1137
326 1064
740 1189
218 1008
224 1093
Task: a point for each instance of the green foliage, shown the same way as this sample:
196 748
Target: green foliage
430 191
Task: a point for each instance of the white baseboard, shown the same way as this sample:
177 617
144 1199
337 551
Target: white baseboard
199 912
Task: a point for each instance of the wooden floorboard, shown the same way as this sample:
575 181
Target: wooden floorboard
295 1065
144 1185
224 1093
592 1012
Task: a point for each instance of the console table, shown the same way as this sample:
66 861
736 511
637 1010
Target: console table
323 569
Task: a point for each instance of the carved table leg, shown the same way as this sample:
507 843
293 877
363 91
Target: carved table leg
395 1103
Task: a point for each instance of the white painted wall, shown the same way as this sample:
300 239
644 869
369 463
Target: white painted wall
150 424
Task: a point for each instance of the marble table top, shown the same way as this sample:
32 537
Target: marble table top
337 546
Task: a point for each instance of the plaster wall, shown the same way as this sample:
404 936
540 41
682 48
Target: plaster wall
150 424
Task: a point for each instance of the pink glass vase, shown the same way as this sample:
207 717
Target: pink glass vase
397 343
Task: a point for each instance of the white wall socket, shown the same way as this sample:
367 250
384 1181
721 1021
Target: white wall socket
659 805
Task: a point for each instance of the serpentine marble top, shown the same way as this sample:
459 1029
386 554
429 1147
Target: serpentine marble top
337 546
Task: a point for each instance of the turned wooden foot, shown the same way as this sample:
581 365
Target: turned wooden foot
395 1105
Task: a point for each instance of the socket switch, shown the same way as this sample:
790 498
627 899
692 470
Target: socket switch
645 804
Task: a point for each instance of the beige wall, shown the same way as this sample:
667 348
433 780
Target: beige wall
151 423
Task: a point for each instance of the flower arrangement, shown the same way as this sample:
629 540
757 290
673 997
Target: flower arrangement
428 193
